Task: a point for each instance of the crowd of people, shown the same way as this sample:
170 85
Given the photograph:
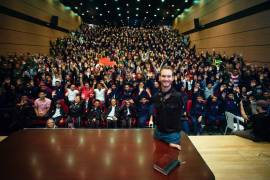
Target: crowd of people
72 88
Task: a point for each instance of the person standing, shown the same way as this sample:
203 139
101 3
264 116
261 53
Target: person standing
168 107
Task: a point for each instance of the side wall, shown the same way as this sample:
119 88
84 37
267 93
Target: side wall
21 35
247 33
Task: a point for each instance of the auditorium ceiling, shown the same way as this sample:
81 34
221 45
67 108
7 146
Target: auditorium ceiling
128 12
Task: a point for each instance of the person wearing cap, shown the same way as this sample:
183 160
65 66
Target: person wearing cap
168 107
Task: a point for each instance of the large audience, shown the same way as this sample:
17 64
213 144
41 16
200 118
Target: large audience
72 88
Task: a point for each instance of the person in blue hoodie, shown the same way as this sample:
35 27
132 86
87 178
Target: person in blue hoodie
197 114
214 115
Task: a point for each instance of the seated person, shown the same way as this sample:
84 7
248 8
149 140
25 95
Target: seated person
261 121
127 114
75 113
57 113
95 115
197 114
112 114
42 106
144 112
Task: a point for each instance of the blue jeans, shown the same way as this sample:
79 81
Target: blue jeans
197 126
174 137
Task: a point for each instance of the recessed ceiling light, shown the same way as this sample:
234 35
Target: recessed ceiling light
137 15
96 8
162 0
115 0
108 11
146 12
186 1
81 3
167 12
127 12
87 11
158 9
172 5
76 7
82 14
100 14
178 9
119 14
127 4
138 0
105 4
137 9
172 15
149 5
118 8
155 15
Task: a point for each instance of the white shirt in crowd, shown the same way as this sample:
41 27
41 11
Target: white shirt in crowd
100 94
111 114
72 94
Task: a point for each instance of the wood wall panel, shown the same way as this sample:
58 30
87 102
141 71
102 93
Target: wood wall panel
18 35
249 36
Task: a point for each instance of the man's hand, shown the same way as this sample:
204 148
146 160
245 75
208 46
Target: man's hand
200 119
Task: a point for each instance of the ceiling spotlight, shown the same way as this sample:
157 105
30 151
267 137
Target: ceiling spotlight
158 9
82 14
100 14
137 14
178 9
105 4
155 15
162 0
172 15
76 7
128 17
172 5
81 3
127 12
186 1
115 0
108 11
127 4
96 8
138 0
87 11
118 8
167 12
163 18
149 5
119 14
137 9
146 12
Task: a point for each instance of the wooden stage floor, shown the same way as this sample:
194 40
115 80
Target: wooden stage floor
232 157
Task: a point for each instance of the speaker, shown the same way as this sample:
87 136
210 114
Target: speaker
54 21
197 23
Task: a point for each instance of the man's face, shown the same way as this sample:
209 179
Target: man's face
166 78
42 95
113 102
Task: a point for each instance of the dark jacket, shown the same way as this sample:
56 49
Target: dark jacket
168 111
95 113
116 114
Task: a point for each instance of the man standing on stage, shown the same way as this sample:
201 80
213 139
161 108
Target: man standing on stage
168 107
